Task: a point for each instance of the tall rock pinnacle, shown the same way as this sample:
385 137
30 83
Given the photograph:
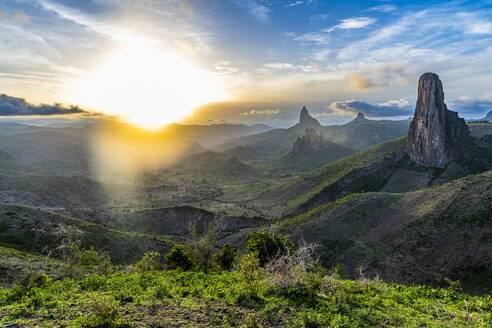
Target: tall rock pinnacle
306 121
437 135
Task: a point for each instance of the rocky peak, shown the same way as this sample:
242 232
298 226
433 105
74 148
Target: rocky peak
360 117
311 140
436 135
306 121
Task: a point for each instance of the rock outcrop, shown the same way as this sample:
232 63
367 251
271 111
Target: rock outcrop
310 141
306 121
437 135
360 117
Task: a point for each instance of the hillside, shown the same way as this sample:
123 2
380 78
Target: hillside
35 230
383 167
415 237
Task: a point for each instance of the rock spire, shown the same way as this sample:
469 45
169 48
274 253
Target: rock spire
436 135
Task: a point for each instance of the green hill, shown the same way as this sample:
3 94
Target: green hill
39 231
419 237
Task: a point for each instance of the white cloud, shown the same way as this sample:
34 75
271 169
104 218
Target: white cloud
353 23
387 8
261 112
294 3
314 37
287 67
254 8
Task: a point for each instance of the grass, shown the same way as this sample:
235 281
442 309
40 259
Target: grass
195 299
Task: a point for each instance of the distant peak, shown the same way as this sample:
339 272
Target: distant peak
360 116
306 121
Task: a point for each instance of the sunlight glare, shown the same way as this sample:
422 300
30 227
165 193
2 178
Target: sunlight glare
148 87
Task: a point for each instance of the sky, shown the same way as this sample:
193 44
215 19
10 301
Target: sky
253 60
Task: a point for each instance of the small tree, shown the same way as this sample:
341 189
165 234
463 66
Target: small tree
178 258
268 245
87 261
202 249
250 271
148 262
226 257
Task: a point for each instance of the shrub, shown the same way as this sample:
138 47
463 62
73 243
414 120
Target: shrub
148 262
84 262
268 245
178 258
226 257
201 249
91 261
338 271
454 285
32 279
294 271
103 312
251 272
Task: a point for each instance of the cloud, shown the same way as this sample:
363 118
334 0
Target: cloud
11 106
358 82
294 3
21 17
289 67
472 107
353 23
2 15
387 8
392 108
316 37
255 9
261 112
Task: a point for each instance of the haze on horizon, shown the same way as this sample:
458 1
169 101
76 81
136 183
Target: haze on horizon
245 61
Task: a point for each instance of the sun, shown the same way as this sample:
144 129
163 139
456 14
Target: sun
148 87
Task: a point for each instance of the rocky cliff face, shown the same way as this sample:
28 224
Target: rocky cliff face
306 121
311 140
436 136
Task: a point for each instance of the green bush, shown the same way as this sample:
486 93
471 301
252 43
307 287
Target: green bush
251 272
201 249
103 312
226 257
85 262
93 262
268 245
148 262
178 258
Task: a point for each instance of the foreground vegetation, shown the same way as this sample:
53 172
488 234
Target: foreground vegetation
273 284
227 299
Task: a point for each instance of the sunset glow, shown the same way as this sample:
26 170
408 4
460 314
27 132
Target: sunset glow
148 87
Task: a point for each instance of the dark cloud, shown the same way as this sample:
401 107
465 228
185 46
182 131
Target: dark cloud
389 109
11 106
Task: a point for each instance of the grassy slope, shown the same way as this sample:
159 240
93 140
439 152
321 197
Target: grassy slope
35 230
14 262
416 237
384 167
286 197
163 299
